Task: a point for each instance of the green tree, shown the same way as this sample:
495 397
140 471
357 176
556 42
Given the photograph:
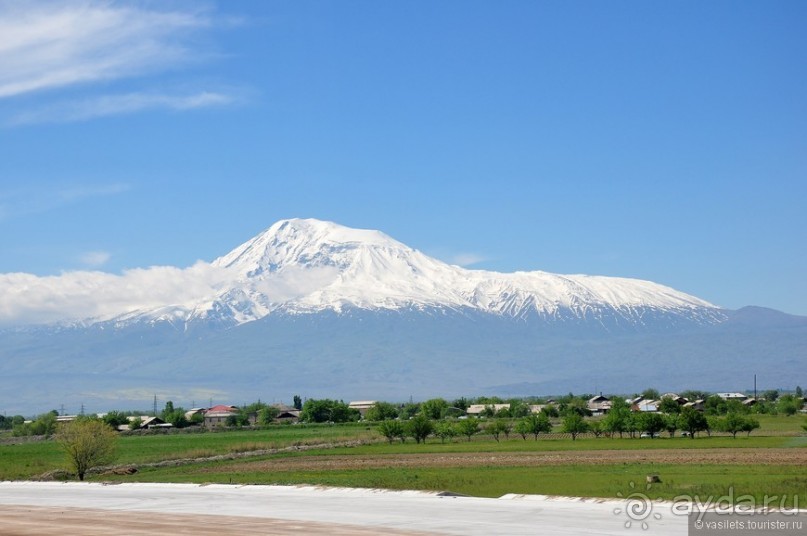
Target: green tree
770 395
461 403
45 424
616 420
789 405
735 406
519 409
409 410
693 395
169 408
445 430
197 418
714 405
692 420
522 429
116 418
669 406
327 410
496 428
650 394
468 427
749 424
135 423
633 423
392 430
503 413
576 405
177 418
420 427
551 411
731 423
434 409
536 424
574 424
267 415
88 443
799 392
298 402
651 423
382 411
671 424
595 427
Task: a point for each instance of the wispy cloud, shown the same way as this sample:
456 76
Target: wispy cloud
58 44
42 198
112 105
95 258
80 44
467 259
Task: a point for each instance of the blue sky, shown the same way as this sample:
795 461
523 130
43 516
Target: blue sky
663 141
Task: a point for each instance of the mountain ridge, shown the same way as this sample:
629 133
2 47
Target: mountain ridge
300 266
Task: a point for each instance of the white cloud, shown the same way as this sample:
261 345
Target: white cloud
111 105
59 44
95 258
467 259
77 295
29 298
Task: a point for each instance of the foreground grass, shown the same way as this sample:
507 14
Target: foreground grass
28 460
607 481
31 459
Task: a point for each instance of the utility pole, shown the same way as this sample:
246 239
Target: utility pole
155 405
755 386
82 408
61 410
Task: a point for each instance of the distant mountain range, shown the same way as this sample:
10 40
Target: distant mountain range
314 308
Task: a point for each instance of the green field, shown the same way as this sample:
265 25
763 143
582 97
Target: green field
608 481
603 479
27 460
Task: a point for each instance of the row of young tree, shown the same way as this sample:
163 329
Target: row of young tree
620 421
670 418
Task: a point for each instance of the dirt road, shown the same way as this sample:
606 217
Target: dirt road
41 521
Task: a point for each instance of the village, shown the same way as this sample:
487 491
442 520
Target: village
223 416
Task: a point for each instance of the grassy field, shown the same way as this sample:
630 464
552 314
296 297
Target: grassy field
28 460
608 481
334 466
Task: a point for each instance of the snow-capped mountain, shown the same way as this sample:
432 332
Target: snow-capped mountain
313 308
305 266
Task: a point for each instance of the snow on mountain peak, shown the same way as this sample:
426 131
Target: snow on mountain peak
307 242
308 265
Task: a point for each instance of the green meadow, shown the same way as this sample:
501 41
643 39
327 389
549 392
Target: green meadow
607 477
